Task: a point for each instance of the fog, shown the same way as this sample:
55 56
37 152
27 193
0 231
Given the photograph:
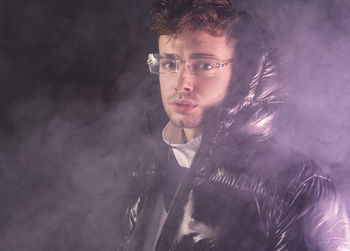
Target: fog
73 88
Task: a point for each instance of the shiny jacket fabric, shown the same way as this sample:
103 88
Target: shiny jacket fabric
243 192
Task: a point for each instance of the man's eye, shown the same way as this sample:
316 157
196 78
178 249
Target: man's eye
168 64
203 66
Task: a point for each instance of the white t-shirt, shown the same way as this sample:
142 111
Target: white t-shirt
184 153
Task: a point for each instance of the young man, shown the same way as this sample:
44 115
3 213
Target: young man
216 178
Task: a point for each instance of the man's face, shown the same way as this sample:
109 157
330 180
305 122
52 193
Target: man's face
185 95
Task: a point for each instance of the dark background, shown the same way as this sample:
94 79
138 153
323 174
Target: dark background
73 88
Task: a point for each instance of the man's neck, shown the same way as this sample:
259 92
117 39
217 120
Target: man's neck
179 135
191 133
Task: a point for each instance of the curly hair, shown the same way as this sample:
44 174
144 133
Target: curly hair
217 17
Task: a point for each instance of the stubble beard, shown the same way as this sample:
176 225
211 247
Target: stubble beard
187 123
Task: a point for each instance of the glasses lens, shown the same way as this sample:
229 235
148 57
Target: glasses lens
167 65
162 63
153 63
206 67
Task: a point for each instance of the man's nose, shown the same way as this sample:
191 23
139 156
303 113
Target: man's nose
185 81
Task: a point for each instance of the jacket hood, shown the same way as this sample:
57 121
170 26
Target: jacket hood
252 114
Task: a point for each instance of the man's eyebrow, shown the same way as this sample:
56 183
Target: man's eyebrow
203 55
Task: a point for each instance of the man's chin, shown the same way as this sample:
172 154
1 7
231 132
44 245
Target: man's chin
183 123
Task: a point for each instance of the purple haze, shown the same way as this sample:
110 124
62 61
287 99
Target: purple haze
74 88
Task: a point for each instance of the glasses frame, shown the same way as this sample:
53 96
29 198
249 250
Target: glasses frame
220 63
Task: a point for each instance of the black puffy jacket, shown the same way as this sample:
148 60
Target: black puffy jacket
243 192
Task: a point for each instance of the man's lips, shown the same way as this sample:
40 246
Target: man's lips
183 106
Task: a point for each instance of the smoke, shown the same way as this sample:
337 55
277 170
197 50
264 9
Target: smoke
311 41
311 38
64 170
74 85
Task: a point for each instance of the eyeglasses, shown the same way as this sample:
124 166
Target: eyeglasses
170 64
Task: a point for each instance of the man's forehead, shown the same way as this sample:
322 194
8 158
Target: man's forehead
196 38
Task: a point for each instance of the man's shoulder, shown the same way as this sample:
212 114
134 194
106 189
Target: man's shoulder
289 168
150 144
297 174
271 156
145 165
